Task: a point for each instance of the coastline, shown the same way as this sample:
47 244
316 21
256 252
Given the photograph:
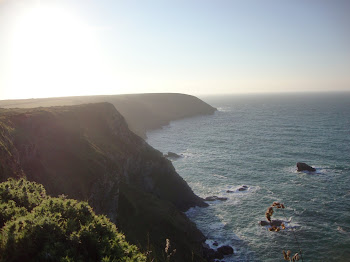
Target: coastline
142 112
88 152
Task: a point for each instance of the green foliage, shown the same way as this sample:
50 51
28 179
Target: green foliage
18 197
42 228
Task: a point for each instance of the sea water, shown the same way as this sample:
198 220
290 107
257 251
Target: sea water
256 140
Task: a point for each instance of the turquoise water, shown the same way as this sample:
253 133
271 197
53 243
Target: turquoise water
256 140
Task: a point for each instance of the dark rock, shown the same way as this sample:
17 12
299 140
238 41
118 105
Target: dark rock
209 254
276 223
205 245
219 255
212 255
225 250
214 198
215 243
172 155
305 167
243 188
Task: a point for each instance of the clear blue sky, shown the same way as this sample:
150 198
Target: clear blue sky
59 48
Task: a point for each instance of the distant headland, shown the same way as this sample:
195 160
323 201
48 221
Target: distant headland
142 112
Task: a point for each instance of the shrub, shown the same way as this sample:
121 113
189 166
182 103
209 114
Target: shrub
37 227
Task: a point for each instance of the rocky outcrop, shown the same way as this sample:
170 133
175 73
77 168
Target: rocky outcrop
87 152
225 250
143 112
172 155
276 223
213 255
305 167
215 198
240 189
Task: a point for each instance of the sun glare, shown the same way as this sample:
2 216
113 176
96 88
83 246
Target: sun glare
53 54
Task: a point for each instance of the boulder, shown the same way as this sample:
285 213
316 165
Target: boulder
214 198
305 167
243 188
276 223
225 250
172 155
216 255
211 254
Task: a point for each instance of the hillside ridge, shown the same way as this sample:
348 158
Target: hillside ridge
143 112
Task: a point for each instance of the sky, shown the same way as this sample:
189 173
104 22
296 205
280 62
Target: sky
53 48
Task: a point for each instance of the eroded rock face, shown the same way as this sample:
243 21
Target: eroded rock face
304 167
87 152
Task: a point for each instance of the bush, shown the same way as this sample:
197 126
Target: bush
37 227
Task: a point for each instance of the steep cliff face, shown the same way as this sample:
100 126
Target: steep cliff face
88 152
142 112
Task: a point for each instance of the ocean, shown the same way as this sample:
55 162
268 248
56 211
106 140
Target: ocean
256 141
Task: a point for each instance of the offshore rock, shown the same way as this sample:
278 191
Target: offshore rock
172 155
276 223
214 198
305 167
225 250
243 188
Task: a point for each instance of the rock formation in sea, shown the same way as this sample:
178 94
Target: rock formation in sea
215 198
87 152
305 167
172 155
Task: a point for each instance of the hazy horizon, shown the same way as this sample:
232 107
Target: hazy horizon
53 48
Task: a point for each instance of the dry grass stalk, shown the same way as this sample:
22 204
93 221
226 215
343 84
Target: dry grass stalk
268 215
167 250
288 258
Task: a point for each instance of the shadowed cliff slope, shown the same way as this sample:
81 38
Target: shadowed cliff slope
142 112
88 153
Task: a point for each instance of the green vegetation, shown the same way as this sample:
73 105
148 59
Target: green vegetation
36 227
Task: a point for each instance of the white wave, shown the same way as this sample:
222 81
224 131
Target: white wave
219 176
192 211
224 109
217 225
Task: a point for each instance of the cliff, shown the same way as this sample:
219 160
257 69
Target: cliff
87 152
142 112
